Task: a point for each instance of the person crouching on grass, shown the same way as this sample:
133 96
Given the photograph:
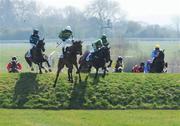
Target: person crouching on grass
14 66
119 65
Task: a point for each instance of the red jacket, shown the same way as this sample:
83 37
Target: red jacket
17 66
137 69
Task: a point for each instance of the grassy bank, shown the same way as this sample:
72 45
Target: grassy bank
116 91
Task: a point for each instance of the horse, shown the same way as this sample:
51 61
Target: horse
99 60
38 57
158 63
69 59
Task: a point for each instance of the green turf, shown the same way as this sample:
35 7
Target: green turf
89 118
116 91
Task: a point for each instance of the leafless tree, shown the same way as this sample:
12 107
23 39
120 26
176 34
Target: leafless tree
176 21
105 10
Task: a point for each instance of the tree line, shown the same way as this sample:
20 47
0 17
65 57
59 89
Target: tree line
19 17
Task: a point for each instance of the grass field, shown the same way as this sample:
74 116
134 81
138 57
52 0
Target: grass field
89 118
116 91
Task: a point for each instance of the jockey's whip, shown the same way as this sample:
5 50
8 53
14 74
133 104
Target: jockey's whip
58 44
52 53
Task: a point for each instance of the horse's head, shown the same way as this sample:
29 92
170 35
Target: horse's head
161 55
41 44
77 47
105 53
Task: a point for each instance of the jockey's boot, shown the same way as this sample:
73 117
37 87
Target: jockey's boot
31 56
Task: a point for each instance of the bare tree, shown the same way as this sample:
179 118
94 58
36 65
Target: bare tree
7 14
104 11
176 21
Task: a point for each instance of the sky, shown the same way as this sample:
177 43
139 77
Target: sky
150 11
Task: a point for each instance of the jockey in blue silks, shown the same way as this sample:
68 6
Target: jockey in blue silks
34 39
155 52
147 66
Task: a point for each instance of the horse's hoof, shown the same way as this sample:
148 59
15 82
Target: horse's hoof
46 71
71 81
32 69
50 70
40 73
78 72
54 85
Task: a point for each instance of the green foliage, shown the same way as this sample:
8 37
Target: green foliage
116 91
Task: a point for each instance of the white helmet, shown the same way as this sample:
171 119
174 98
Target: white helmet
68 28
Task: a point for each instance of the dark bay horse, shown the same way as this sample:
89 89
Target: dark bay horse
69 59
100 58
158 63
38 57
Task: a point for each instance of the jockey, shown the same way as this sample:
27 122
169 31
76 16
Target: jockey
96 46
147 66
34 38
104 40
119 64
66 36
14 66
155 52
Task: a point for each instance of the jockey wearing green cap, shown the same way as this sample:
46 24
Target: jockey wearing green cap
104 40
97 45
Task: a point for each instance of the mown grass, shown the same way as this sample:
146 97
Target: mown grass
89 118
116 91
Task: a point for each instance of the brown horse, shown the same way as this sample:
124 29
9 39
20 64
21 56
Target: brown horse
159 64
38 57
99 60
69 59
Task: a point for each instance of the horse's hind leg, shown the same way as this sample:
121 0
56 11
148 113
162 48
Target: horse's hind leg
110 63
29 63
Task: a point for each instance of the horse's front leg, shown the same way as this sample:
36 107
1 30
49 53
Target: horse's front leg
78 71
60 67
110 63
104 72
44 68
70 76
49 66
40 66
97 69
